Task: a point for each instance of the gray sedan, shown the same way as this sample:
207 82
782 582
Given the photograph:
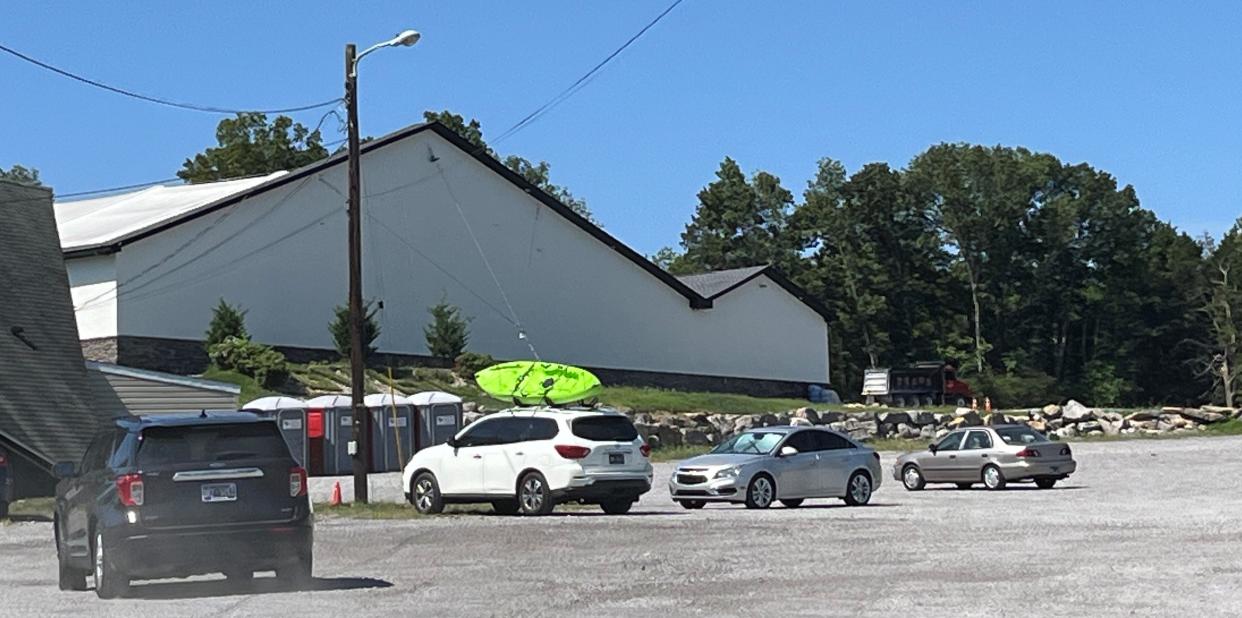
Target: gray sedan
993 456
786 464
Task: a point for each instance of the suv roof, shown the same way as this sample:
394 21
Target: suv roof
180 419
562 412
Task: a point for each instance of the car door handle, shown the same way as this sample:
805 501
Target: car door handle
520 454
984 455
476 456
952 456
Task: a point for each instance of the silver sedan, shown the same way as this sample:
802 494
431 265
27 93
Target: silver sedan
993 456
786 464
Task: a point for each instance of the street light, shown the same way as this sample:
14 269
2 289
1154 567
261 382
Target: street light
357 359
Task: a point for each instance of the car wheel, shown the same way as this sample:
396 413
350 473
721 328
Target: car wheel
912 478
298 574
425 494
4 509
505 507
617 507
692 505
533 495
964 485
858 489
960 402
109 583
760 492
792 504
70 578
1045 482
992 478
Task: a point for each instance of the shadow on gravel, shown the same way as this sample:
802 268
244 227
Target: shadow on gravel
1010 488
164 591
43 519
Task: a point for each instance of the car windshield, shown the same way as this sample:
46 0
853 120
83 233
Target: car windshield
1020 435
753 443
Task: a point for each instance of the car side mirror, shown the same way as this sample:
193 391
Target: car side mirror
65 470
787 451
932 448
452 442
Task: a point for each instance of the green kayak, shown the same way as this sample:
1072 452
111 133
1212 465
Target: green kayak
536 383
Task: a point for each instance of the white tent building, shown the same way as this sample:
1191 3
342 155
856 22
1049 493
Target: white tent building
147 267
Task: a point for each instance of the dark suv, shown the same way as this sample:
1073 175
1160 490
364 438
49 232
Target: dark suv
175 495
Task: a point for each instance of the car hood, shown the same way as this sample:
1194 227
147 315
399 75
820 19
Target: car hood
716 460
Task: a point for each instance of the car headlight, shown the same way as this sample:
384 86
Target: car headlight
729 473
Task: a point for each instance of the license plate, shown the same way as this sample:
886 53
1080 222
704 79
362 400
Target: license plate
220 492
616 458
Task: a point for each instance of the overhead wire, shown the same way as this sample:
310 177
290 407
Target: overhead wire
160 100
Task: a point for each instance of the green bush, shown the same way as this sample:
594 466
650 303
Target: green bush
226 321
1018 389
256 360
431 374
470 363
447 334
339 327
1102 385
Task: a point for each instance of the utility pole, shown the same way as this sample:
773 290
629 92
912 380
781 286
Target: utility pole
357 356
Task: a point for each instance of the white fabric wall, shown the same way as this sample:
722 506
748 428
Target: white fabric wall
92 284
580 301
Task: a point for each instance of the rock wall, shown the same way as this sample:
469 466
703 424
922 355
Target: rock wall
667 429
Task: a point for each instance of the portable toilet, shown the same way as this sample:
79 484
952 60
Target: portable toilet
438 417
290 416
392 431
336 427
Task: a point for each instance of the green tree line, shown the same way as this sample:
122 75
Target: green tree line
1042 279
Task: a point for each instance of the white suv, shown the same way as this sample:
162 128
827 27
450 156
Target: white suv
527 460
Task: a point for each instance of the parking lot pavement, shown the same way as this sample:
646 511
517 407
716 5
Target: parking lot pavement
1144 528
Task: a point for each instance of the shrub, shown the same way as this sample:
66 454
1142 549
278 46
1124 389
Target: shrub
1102 385
339 327
261 362
1016 389
447 334
226 321
470 363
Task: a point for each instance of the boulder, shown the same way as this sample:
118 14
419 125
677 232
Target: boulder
800 422
769 420
745 422
893 418
1055 423
940 433
1142 416
1220 410
971 419
1110 427
469 406
469 417
827 418
963 412
646 430
1052 410
923 418
927 432
669 436
837 426
1067 432
1087 427
907 432
1201 415
1074 412
696 437
941 419
1112 416
1038 425
809 414
700 420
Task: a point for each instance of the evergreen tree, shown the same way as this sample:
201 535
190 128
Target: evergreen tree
339 327
226 321
448 333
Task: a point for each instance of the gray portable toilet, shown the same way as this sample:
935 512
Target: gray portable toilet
393 438
338 423
438 418
290 416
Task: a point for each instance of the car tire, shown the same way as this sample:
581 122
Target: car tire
4 509
534 497
617 507
965 485
298 574
993 478
858 489
912 478
425 494
110 583
1045 482
960 402
692 505
760 492
70 578
792 504
505 507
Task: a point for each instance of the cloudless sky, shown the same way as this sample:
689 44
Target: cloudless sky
1148 91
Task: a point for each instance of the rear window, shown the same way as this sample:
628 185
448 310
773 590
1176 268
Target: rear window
1020 435
605 429
210 443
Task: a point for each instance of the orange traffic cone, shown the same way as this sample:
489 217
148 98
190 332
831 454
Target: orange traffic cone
335 500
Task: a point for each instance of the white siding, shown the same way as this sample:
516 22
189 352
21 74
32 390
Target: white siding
92 284
579 300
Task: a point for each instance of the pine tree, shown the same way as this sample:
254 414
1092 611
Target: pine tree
340 329
226 321
448 333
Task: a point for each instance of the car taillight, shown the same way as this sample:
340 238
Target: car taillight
572 452
130 489
1026 452
1065 450
297 482
645 450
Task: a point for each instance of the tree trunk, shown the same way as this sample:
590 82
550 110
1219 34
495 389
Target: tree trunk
974 299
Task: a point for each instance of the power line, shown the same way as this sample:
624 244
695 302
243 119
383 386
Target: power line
161 101
121 188
581 81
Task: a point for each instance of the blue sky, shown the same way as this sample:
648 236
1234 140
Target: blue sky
1148 91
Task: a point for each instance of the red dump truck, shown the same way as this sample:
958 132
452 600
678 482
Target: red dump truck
923 384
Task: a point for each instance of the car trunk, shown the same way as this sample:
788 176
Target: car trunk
215 474
614 445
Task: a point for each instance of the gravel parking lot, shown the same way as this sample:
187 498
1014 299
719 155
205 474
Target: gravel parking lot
1144 528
